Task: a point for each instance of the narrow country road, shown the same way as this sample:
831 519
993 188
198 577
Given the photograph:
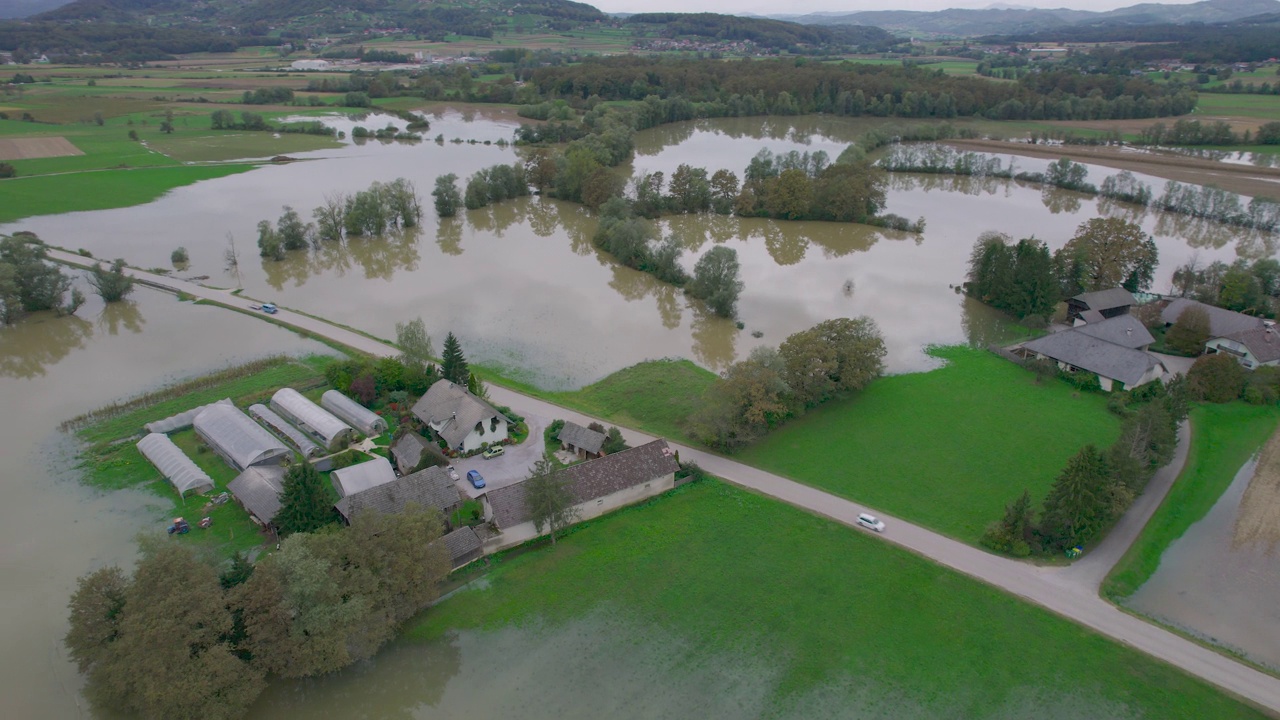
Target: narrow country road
1069 592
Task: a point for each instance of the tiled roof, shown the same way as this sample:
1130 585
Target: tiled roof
461 542
1222 322
1124 330
1106 299
430 488
258 488
454 409
408 451
1095 355
358 478
580 437
1263 343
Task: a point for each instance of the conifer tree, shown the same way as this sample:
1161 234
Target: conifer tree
305 505
453 364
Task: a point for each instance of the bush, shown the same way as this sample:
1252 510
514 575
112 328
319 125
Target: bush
179 257
1216 378
6 170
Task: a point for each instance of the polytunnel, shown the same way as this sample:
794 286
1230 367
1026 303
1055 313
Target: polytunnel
174 464
313 419
291 434
237 438
355 414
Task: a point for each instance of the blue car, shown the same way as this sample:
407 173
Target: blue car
474 478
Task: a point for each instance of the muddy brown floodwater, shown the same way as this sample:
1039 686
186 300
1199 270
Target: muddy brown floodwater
52 529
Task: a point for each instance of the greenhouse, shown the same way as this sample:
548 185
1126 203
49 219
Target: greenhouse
174 464
258 489
332 433
182 420
355 414
289 433
237 438
358 478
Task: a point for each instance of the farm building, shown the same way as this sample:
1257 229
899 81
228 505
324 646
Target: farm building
1222 322
583 442
237 438
1099 305
464 546
358 478
332 433
1251 348
353 413
464 421
1114 364
430 488
258 489
289 433
1124 330
598 486
408 451
174 464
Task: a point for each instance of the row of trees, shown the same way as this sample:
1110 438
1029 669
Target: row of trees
374 211
1242 286
771 386
178 639
1195 132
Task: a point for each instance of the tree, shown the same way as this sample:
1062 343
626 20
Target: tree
601 185
305 504
292 232
95 606
179 257
453 364
1078 505
549 498
269 244
746 403
10 296
1012 532
832 357
613 442
447 197
111 285
40 285
1189 332
416 350
690 190
790 195
724 190
1216 378
715 280
7 170
1111 251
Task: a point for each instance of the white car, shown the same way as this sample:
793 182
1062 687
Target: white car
870 522
453 474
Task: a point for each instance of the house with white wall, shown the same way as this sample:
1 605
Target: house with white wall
1253 348
464 421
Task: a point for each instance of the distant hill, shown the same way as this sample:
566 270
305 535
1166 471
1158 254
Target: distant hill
1010 21
763 32
25 8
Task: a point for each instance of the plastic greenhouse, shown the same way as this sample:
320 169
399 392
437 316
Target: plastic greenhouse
313 419
237 438
289 433
182 420
355 414
174 464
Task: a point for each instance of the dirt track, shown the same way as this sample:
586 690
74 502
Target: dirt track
1242 179
1259 519
36 147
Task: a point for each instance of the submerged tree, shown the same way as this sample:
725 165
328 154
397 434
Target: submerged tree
716 281
447 197
111 285
416 350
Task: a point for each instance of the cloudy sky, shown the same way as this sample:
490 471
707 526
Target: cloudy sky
774 7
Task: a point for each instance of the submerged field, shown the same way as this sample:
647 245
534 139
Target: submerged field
789 615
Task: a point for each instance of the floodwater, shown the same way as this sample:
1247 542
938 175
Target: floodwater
1222 592
521 284
52 529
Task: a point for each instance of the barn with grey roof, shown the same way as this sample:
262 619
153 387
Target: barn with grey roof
583 442
1077 351
429 488
1222 322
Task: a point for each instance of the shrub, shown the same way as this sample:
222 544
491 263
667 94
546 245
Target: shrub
1216 378
179 257
6 170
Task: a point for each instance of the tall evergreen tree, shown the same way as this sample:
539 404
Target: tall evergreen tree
1077 507
453 364
305 504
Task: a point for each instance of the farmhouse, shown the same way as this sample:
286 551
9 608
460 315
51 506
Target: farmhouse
1099 305
1222 322
174 464
598 486
464 421
238 439
583 442
1114 350
332 433
358 478
1253 348
258 489
353 413
430 488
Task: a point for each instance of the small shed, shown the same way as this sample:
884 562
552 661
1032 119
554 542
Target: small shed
289 433
361 477
353 413
258 490
174 464
583 442
237 438
332 433
464 546
408 450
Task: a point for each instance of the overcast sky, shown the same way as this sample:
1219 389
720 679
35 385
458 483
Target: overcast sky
797 7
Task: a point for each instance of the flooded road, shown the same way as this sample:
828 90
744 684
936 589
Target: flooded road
525 290
1219 589
52 529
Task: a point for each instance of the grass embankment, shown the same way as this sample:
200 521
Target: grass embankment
1223 438
947 448
99 190
729 573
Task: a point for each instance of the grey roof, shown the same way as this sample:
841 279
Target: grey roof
312 418
1263 343
1095 355
353 413
407 450
580 437
1091 316
258 490
1222 322
453 409
289 433
358 478
236 437
591 480
174 464
1124 330
182 420
430 488
461 543
1106 299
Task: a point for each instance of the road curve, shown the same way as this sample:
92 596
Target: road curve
1068 592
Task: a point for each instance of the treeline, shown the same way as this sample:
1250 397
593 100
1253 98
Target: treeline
180 637
495 184
1195 43
771 386
88 43
774 34
373 211
1251 288
1097 486
1194 132
943 159
267 96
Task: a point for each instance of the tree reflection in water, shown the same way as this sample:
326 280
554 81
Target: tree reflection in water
121 314
714 338
39 340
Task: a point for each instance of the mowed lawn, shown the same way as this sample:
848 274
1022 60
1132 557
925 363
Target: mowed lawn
733 575
948 448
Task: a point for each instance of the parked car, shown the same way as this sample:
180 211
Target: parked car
870 521
474 478
493 452
269 308
453 473
255 307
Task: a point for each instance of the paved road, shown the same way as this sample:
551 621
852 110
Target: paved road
1071 593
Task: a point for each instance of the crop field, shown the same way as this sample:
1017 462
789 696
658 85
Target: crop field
1263 108
42 147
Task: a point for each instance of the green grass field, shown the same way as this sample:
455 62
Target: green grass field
99 189
1223 438
739 580
1263 107
947 448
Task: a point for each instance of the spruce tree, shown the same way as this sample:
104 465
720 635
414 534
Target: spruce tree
1077 507
453 364
305 504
